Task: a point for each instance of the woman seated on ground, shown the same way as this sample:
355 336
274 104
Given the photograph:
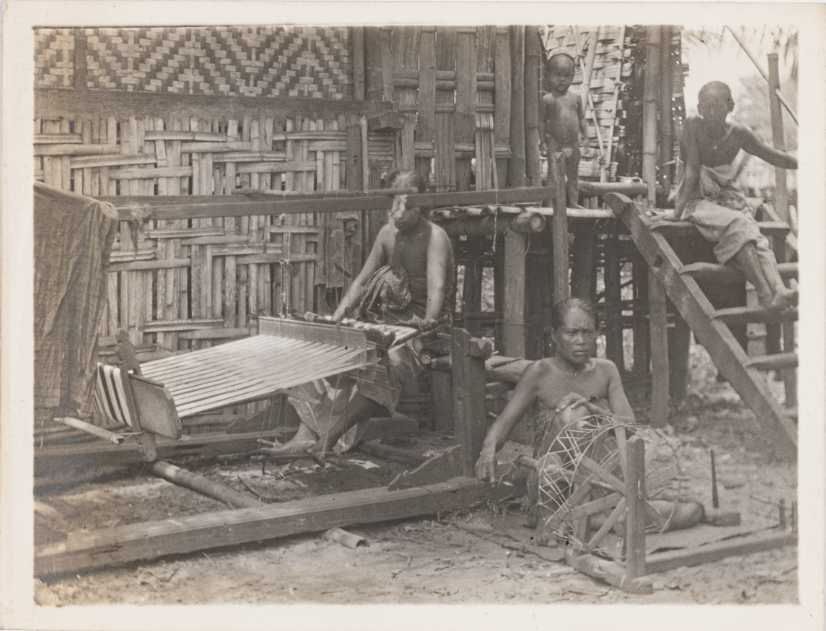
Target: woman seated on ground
566 389
571 385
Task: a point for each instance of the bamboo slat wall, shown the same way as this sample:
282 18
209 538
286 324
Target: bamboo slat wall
184 283
616 91
454 83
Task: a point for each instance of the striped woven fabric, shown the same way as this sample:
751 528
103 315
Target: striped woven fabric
248 369
111 398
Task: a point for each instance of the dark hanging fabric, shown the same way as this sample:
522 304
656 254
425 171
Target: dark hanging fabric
73 237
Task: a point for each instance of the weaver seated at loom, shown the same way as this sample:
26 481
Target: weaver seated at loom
406 279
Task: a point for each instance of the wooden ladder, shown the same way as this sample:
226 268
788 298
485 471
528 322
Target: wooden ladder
710 326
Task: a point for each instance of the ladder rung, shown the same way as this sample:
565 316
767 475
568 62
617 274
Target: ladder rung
728 274
791 412
745 315
777 361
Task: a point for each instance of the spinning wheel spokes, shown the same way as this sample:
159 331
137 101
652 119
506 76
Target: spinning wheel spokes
582 475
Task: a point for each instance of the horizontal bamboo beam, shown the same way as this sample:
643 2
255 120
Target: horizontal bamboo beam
54 103
65 459
148 540
665 561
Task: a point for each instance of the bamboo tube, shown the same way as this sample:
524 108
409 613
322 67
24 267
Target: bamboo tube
201 484
524 223
94 430
649 113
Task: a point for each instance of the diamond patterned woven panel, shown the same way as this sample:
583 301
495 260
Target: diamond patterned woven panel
246 61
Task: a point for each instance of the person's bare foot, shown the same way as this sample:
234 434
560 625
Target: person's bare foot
783 299
303 442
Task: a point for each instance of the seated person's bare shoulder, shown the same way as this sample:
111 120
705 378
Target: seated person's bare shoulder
692 125
605 368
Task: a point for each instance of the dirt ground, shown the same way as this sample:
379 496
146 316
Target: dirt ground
482 555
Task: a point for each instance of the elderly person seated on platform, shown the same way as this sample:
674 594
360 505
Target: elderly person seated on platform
710 198
407 279
559 390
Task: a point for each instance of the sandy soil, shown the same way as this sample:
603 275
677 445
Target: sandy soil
483 555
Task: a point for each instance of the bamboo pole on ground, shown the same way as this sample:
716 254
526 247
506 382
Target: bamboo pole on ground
649 112
202 485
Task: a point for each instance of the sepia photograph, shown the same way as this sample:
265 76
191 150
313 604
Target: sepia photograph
356 307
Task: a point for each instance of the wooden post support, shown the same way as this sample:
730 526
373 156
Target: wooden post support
658 331
781 195
441 397
635 517
649 112
613 295
469 422
679 346
513 315
560 228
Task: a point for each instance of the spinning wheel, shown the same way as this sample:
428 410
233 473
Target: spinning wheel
582 479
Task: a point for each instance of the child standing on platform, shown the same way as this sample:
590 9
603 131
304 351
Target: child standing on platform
563 121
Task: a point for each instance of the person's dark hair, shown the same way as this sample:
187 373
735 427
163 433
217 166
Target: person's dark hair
717 86
407 179
561 56
562 308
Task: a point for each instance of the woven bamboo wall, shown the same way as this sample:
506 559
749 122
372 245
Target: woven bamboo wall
454 83
183 283
245 61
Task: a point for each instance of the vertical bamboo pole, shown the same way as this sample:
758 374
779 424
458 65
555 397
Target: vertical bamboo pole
465 117
666 116
658 331
560 228
513 315
588 70
781 195
517 163
613 296
533 50
649 112
503 82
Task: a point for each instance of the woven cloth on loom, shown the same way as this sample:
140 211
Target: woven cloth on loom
249 369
